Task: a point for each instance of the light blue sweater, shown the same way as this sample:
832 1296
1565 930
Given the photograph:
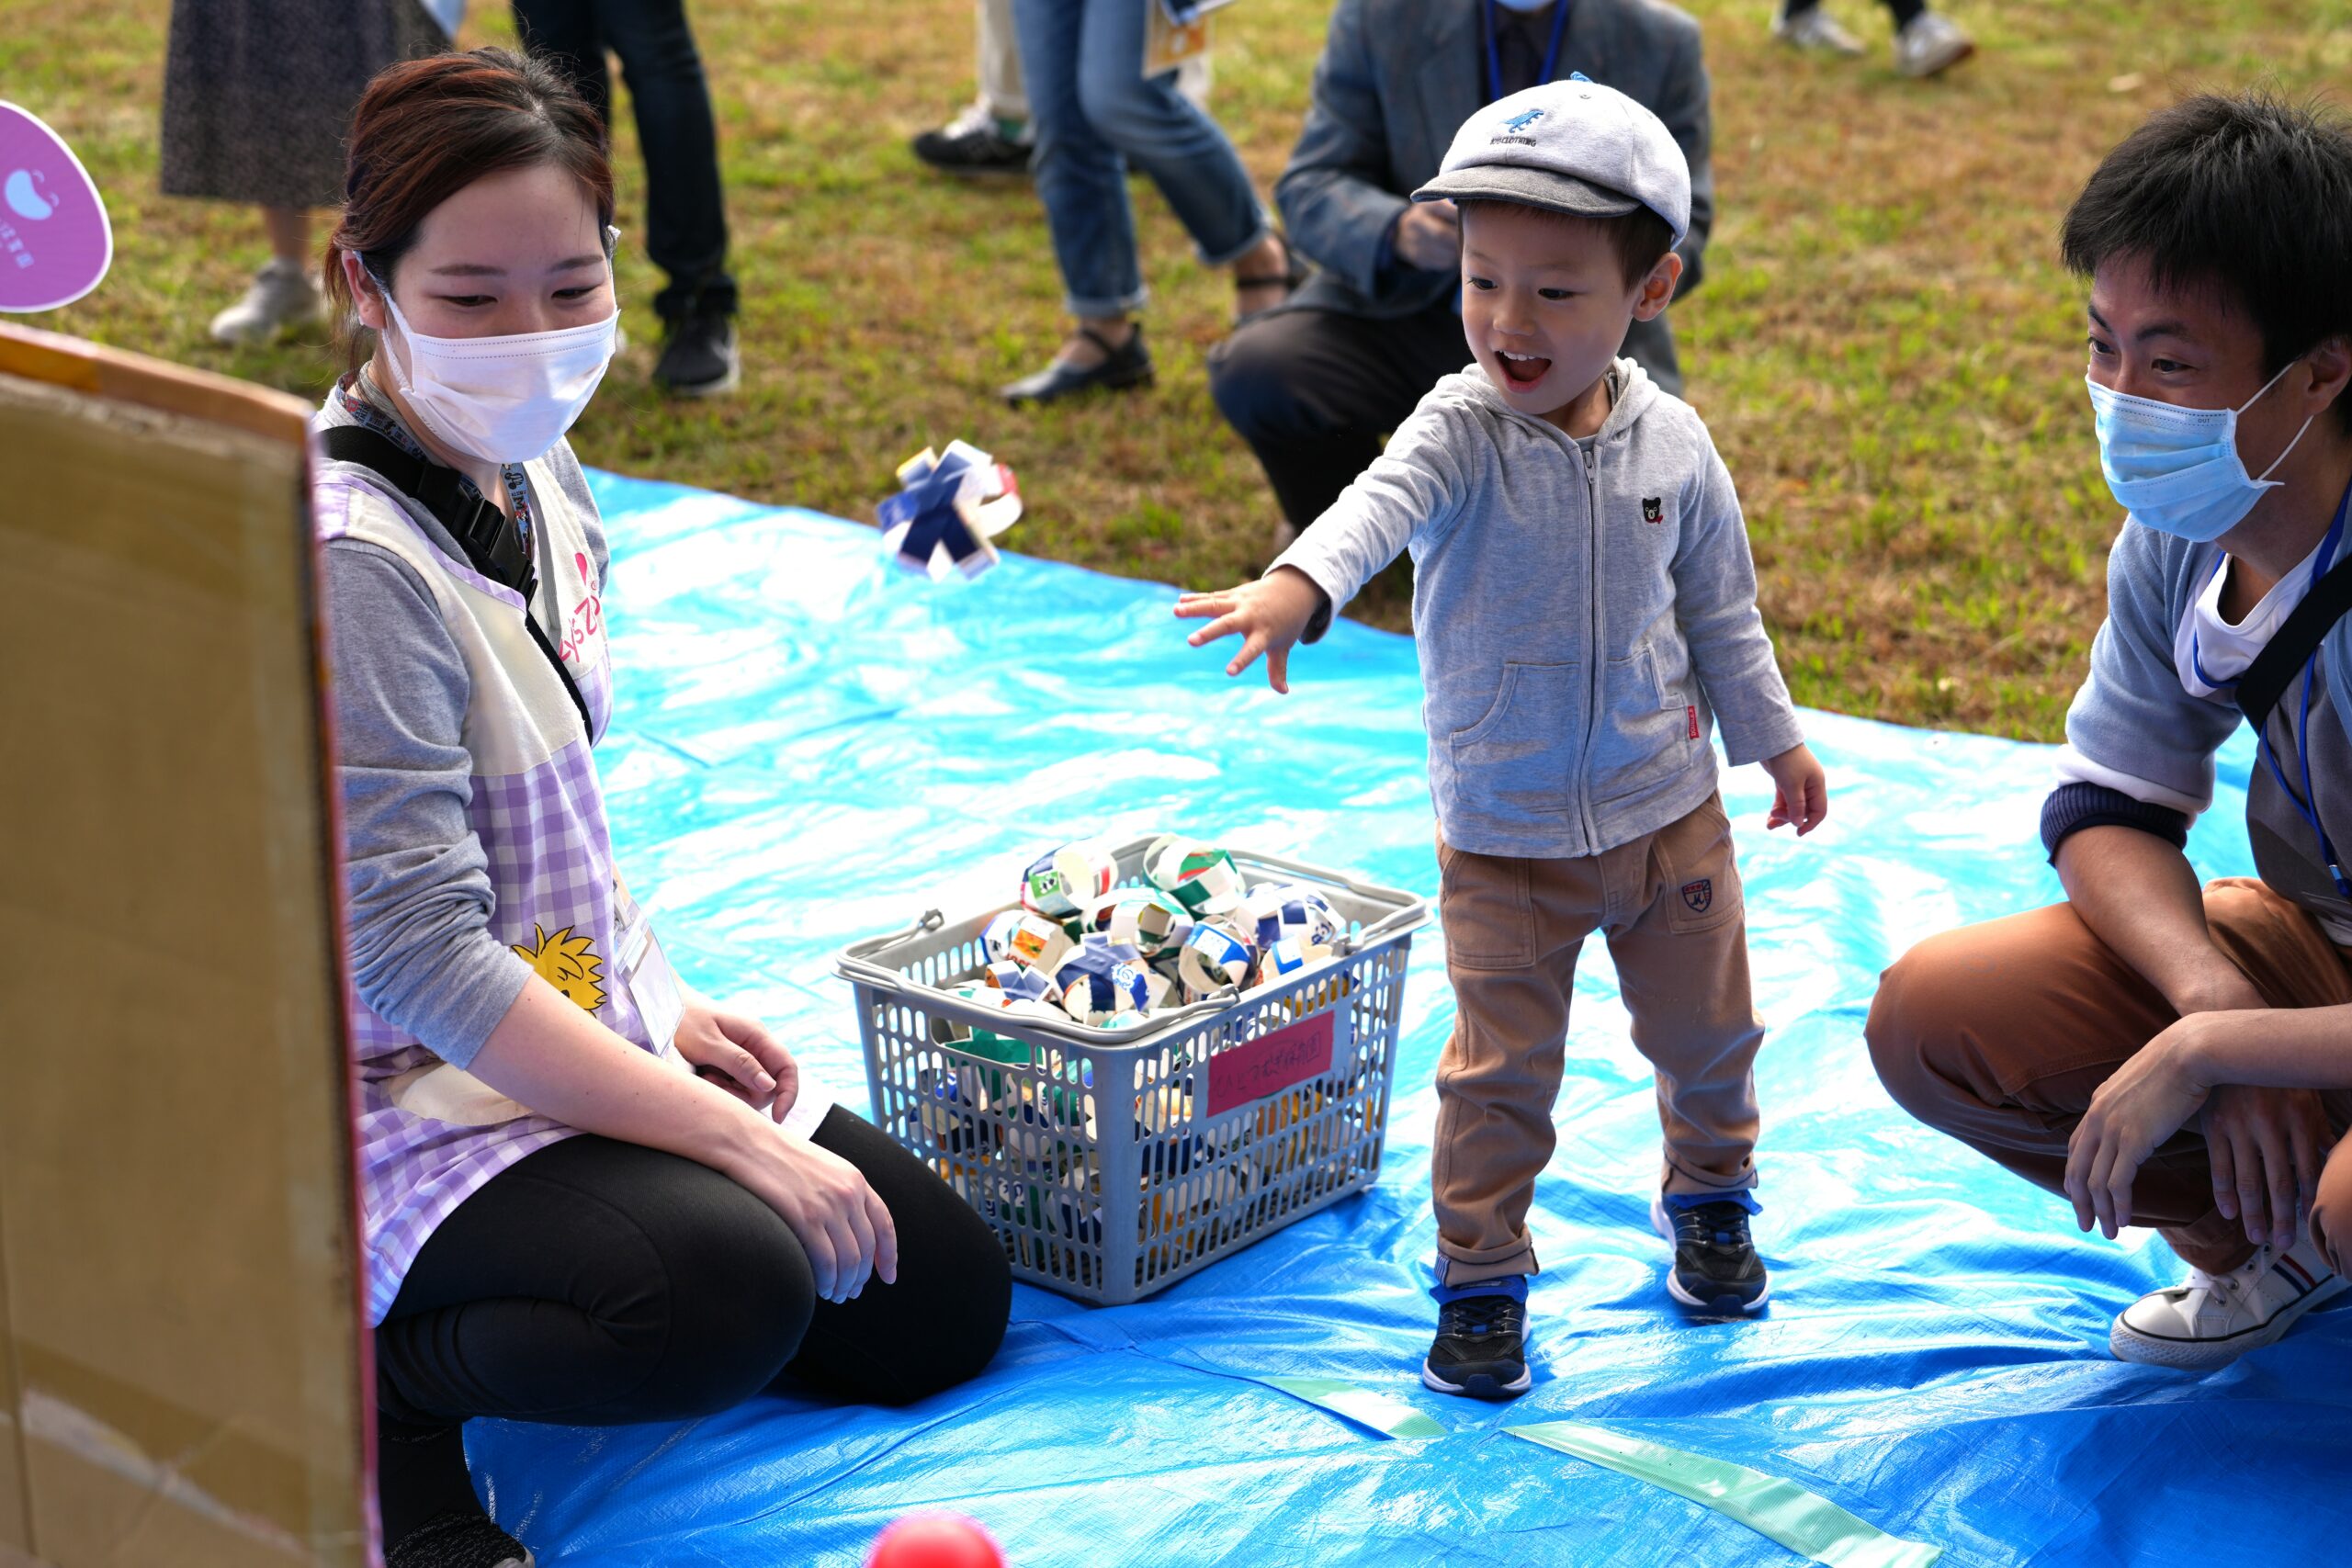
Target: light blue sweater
1582 624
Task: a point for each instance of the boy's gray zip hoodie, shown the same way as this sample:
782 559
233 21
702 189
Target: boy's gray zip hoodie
1582 625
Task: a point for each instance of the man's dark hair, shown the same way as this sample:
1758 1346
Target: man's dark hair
2245 194
1640 237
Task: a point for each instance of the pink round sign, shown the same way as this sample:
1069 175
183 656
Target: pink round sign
55 243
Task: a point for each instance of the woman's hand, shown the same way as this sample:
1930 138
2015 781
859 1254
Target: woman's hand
2147 1099
840 1221
738 1055
1801 790
1270 615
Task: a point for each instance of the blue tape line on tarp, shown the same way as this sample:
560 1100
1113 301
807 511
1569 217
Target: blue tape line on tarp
807 750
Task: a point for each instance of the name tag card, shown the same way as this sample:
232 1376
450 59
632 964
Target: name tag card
1274 1062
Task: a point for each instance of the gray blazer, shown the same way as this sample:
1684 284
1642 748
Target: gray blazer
1398 77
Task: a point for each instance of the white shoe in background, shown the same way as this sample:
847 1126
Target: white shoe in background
1931 42
2212 1319
1814 29
282 296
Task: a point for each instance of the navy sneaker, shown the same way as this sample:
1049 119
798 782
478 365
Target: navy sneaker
1481 1348
1715 1266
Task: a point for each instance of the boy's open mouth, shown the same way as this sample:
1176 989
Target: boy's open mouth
1521 370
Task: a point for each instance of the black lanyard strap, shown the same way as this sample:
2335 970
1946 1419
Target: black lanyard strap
492 544
2294 645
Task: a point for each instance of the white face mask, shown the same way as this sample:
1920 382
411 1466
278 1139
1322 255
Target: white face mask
501 399
2176 470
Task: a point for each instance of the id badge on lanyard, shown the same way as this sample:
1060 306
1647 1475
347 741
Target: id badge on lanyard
652 983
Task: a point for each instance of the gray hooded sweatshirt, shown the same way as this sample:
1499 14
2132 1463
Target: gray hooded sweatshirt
1584 612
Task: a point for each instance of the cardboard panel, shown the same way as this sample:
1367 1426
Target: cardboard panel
176 1189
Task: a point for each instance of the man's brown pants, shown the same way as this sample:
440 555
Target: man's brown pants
1677 928
2000 1034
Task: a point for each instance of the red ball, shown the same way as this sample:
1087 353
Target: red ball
934 1541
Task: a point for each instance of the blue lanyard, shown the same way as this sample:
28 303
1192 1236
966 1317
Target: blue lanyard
1494 57
2307 802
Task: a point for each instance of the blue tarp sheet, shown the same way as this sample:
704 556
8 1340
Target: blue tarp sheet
806 751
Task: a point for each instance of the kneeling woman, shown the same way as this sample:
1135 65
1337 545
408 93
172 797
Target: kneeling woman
589 1198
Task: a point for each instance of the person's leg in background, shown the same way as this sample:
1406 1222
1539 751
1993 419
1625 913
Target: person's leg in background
685 210
1926 42
1650 345
1315 393
991 136
1158 129
283 294
1083 181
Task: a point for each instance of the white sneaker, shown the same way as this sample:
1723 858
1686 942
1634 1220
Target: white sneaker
282 296
2213 1319
1931 42
1814 29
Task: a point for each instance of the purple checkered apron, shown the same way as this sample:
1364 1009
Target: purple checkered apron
543 831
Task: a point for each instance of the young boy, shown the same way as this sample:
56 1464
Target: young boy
1585 607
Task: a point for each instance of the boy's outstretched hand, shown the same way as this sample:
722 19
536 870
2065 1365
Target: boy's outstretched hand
1270 615
1801 790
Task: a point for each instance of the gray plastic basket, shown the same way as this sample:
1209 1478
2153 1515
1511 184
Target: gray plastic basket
1114 1162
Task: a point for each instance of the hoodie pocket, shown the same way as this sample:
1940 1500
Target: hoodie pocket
1644 736
1519 756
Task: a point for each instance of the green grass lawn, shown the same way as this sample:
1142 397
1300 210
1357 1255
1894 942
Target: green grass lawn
1884 346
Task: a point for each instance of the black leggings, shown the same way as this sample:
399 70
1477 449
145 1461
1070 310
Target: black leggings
598 1283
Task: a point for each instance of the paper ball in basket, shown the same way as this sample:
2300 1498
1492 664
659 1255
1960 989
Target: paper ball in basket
1212 959
1074 877
1020 982
1199 876
1286 912
1288 957
1142 918
949 505
1101 981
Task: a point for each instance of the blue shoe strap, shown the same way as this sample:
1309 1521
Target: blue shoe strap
1511 1285
1682 1202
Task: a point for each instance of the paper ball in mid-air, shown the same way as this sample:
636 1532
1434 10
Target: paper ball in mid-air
949 505
1199 876
1074 877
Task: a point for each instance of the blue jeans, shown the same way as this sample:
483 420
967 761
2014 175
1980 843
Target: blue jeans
1094 113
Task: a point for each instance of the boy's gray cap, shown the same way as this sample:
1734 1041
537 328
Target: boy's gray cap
1571 146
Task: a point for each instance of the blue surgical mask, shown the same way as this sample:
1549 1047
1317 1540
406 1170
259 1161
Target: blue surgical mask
2176 470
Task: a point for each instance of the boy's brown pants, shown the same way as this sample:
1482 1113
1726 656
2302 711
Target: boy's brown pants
1999 1034
1670 905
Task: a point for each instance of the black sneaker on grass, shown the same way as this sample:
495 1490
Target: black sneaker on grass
1481 1348
699 358
974 145
1715 1266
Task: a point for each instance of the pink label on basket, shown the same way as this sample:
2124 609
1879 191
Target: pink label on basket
54 239
1288 1056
